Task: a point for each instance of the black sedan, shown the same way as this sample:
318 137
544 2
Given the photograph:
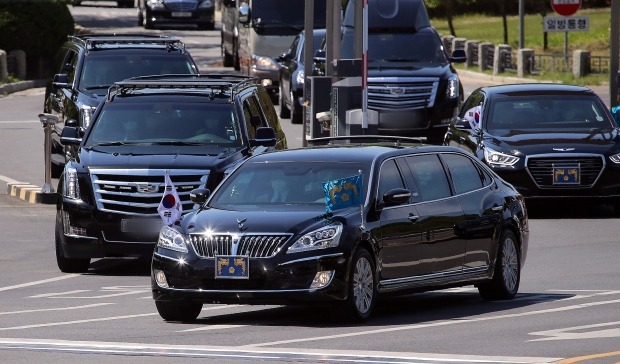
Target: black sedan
292 76
153 13
550 141
342 225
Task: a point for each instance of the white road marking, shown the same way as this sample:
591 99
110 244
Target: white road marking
214 327
437 324
8 179
2 289
48 295
19 121
77 322
570 334
57 309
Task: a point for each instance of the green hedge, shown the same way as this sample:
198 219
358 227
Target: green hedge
38 27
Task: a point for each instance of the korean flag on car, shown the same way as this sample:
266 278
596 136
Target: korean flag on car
170 208
474 115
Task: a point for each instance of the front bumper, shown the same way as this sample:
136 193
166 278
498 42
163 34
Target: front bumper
274 280
418 122
88 233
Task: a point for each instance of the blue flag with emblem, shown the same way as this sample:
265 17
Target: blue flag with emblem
343 193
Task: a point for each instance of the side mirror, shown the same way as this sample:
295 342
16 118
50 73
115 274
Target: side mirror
458 56
320 54
283 57
462 124
199 195
244 13
396 196
70 136
61 80
265 136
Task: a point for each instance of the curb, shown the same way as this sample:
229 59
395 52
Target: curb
30 193
9 88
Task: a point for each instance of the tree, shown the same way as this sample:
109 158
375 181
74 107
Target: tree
448 6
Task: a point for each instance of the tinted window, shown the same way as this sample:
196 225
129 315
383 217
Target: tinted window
253 116
475 99
465 176
431 177
389 178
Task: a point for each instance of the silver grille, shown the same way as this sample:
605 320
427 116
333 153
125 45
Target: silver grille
541 169
399 93
181 5
255 246
139 191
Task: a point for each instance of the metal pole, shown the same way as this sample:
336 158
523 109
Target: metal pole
614 53
521 24
308 57
47 121
365 65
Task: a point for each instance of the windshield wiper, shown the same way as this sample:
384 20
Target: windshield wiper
107 144
396 60
96 87
178 142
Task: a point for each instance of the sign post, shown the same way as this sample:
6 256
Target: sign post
565 8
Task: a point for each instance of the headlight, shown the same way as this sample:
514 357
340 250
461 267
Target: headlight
452 92
300 77
171 238
206 4
325 237
156 4
71 187
615 158
264 63
498 159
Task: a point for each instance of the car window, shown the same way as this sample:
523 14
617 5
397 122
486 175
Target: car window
253 116
70 65
475 99
465 176
389 178
430 175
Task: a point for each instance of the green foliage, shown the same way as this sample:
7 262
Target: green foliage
38 27
489 29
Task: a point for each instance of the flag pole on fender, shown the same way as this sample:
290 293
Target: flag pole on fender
170 208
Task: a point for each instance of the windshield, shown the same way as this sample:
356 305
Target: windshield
397 46
253 186
175 123
284 17
538 113
101 71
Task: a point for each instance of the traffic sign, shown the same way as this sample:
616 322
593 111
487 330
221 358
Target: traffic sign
565 7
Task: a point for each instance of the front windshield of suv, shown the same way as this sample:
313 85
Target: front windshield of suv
275 185
175 123
100 71
276 17
537 113
399 46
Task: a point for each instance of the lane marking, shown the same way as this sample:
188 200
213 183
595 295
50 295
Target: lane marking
77 322
19 121
577 359
2 289
579 332
280 354
436 324
57 309
10 180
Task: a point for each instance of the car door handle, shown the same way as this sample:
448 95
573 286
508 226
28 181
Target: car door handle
413 218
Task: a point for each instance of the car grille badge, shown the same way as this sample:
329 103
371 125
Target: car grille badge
563 149
240 224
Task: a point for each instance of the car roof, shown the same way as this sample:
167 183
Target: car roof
536 89
348 153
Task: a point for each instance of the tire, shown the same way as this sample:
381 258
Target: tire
362 289
67 265
227 58
285 112
507 270
178 311
296 111
140 18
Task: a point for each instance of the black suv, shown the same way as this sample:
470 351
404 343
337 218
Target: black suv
193 128
87 65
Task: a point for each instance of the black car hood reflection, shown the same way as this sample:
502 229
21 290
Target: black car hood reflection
157 157
280 219
598 141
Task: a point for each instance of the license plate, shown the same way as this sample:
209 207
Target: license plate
566 175
141 225
181 14
232 266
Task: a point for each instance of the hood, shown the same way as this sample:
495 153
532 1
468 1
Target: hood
601 142
159 157
293 221
408 69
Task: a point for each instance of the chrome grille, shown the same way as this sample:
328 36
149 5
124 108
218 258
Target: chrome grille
255 246
181 5
541 169
396 93
139 191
